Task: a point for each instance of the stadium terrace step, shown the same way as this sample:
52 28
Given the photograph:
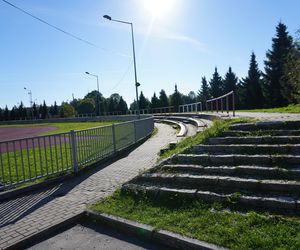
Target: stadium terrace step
293 149
236 159
284 204
216 182
257 172
278 132
266 125
256 140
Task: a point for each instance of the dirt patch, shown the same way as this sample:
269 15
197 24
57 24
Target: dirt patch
20 132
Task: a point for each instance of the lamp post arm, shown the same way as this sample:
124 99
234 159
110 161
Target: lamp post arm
119 21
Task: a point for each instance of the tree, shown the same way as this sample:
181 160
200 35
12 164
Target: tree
97 97
154 102
13 114
216 84
133 106
21 112
251 95
163 99
176 99
274 77
35 111
122 106
6 114
44 113
204 92
55 109
292 72
143 101
1 115
67 110
230 81
86 106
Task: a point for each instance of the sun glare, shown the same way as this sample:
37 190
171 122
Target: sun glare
158 7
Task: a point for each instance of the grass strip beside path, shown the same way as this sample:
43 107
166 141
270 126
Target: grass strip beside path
208 222
292 108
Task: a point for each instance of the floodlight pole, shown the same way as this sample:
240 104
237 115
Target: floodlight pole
137 84
97 89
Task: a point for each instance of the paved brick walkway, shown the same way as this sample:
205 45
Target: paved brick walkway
29 214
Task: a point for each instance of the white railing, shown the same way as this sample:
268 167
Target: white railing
222 103
225 102
28 159
191 107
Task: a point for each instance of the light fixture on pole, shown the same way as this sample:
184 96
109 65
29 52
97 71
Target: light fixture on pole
98 97
134 61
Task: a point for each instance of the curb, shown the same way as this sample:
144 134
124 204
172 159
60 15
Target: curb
37 237
147 232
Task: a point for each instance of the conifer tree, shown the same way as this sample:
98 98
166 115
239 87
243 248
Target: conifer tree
122 106
154 102
251 95
6 113
216 84
176 99
163 99
35 111
204 92
230 81
275 78
143 102
44 111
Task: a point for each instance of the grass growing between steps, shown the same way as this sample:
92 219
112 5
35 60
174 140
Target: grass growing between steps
207 222
218 127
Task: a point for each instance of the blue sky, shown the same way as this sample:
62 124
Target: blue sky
177 41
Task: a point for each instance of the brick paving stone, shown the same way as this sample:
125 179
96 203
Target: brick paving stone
53 205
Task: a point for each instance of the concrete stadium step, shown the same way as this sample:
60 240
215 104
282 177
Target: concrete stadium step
257 172
266 125
284 204
236 159
277 132
217 183
292 149
256 140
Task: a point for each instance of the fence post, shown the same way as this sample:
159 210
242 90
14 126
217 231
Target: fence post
74 151
114 137
233 104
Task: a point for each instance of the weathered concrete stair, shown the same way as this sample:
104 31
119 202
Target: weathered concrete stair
275 132
236 159
255 140
248 149
273 203
249 169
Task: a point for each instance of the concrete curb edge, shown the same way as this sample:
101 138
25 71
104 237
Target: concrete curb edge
147 232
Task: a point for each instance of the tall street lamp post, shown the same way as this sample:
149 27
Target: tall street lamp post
30 100
134 61
98 98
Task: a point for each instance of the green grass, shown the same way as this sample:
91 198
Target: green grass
292 108
208 222
218 127
65 126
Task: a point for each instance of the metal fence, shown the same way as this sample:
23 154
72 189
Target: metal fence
225 102
222 103
28 159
